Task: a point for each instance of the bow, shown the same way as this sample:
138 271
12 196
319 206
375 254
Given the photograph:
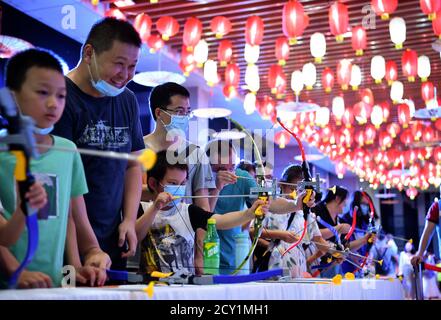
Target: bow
21 144
353 226
309 186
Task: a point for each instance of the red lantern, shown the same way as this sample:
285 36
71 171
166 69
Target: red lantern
254 31
385 140
187 63
427 91
276 77
412 193
437 154
282 50
409 62
327 79
192 33
406 138
359 40
167 27
344 69
143 24
224 52
155 43
229 92
348 118
391 72
430 7
362 112
384 8
436 25
115 13
438 124
386 110
267 108
393 129
282 138
370 134
417 131
404 115
220 26
428 134
360 138
367 97
232 75
294 20
338 20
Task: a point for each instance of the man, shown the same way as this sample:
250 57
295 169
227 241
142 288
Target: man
101 113
170 108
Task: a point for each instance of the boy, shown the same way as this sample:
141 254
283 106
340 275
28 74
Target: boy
168 229
36 79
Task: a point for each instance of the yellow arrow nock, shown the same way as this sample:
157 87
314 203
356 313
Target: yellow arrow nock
333 189
410 241
337 279
380 262
349 276
293 194
147 158
149 289
377 276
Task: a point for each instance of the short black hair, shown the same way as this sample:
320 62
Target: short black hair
18 65
246 165
291 173
218 146
357 196
340 192
161 94
105 31
159 170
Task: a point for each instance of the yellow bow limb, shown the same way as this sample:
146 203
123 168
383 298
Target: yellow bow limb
160 275
259 211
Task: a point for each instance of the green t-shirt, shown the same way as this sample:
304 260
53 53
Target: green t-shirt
62 175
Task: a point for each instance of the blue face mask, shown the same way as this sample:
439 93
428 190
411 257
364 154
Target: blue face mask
177 123
102 86
43 131
364 209
175 190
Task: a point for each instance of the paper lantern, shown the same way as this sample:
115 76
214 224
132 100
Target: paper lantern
436 25
220 26
397 31
322 117
359 40
384 8
252 78
143 24
201 53
276 80
384 140
297 82
232 75
344 73
423 68
282 138
393 129
404 115
327 79
362 111
427 91
412 193
309 75
224 52
340 170
192 33
396 91
377 116
409 63
430 7
249 103
210 72
355 77
167 26
317 46
294 21
115 13
251 53
155 43
367 97
348 118
391 72
370 134
282 50
360 138
437 154
378 68
338 109
254 31
338 20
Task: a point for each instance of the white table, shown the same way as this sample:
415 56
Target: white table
258 291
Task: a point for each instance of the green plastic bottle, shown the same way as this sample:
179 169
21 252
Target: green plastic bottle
211 249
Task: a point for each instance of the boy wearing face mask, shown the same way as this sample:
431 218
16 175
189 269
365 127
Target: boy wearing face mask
167 227
102 114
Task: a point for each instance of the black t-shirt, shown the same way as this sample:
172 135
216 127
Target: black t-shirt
322 211
110 124
198 217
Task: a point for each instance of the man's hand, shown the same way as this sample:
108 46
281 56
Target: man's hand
223 178
98 258
127 232
416 259
162 200
91 276
36 196
310 203
265 207
288 236
343 228
31 279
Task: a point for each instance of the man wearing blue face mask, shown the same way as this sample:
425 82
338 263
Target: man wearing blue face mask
101 113
170 108
167 227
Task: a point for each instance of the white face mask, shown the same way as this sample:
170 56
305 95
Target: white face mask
177 123
102 86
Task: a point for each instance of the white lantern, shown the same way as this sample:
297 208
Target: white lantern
201 53
297 82
318 46
397 91
249 103
309 73
377 116
423 68
355 77
397 31
378 68
322 117
411 105
338 108
252 78
210 72
251 53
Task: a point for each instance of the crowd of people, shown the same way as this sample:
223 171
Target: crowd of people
94 213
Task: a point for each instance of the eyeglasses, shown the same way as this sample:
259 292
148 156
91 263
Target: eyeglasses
188 113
